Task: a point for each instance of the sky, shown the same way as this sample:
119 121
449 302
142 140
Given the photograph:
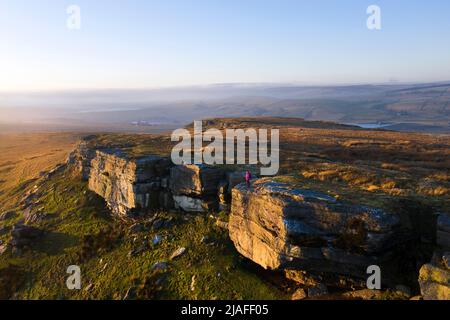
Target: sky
152 44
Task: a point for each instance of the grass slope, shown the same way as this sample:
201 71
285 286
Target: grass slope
80 231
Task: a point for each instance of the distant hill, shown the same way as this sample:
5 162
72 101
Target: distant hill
418 107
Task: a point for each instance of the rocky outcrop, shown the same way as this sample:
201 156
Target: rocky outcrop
189 204
434 277
134 185
195 187
128 185
279 227
195 180
80 159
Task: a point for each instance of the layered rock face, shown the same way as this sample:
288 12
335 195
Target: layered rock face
195 187
283 228
135 185
81 159
128 185
434 277
195 180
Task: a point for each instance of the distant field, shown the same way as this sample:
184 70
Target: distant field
24 155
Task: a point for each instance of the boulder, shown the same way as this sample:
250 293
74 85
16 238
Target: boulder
299 294
434 280
281 227
127 185
189 204
178 253
195 180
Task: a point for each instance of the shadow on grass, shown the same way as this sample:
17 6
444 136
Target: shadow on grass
54 243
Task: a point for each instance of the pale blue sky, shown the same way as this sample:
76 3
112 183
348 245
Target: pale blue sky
149 43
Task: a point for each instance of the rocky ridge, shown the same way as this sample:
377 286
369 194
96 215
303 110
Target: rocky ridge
276 225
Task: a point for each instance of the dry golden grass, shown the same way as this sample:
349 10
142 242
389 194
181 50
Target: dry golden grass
23 156
391 162
377 162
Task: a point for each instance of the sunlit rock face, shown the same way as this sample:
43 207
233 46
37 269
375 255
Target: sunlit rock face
195 187
195 180
81 159
127 185
280 227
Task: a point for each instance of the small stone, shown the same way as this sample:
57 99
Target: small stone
177 253
299 294
318 290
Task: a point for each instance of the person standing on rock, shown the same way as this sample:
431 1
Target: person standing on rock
248 177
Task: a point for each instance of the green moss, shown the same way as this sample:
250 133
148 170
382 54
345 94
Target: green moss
76 215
